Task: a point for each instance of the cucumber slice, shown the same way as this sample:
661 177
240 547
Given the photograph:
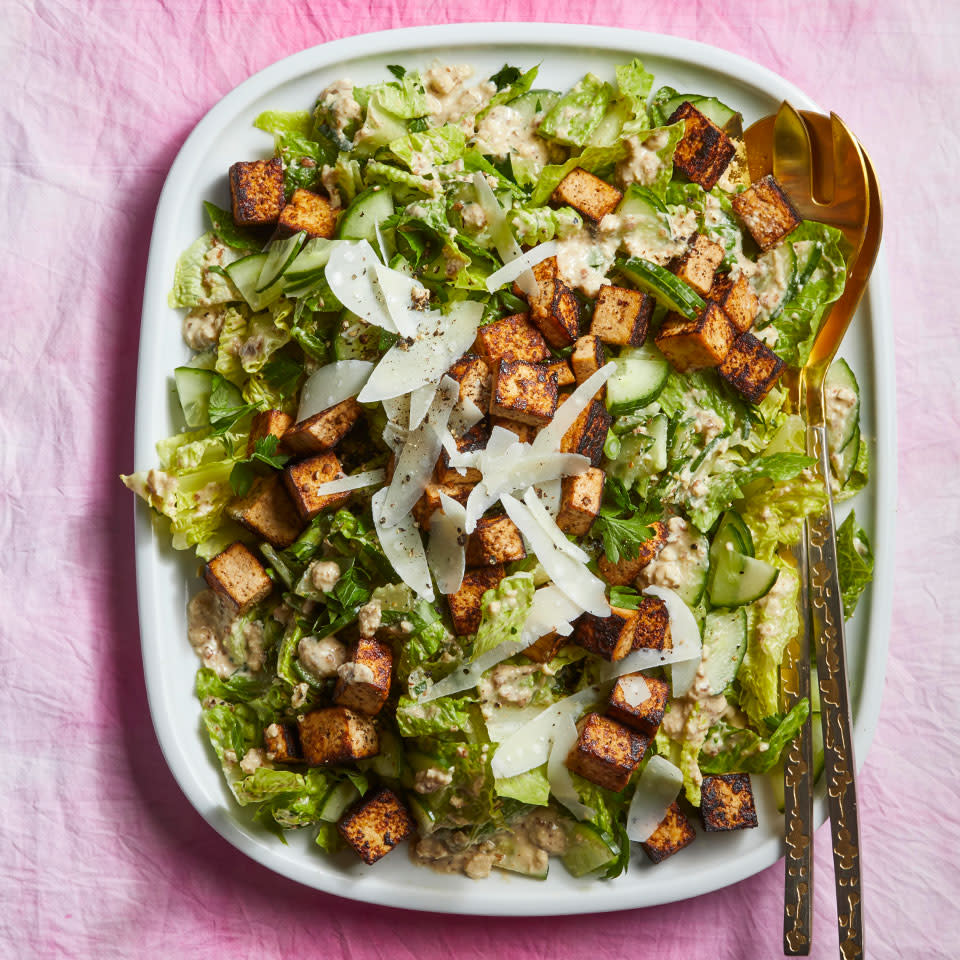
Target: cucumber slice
710 107
776 279
641 454
388 763
304 284
724 644
338 801
692 589
587 849
844 461
646 215
737 579
533 103
280 254
809 253
734 529
356 339
638 380
668 289
841 420
360 219
515 860
194 387
245 274
313 257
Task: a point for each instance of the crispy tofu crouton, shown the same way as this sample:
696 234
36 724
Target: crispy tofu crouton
545 270
556 313
621 317
606 752
336 735
544 649
376 825
256 192
495 540
698 343
587 194
580 498
363 682
268 511
653 625
751 367
624 571
238 575
645 717
512 338
738 300
697 266
588 433
766 211
523 391
726 802
473 375
524 431
429 502
282 743
561 368
587 357
303 479
608 637
704 151
309 212
474 439
465 609
267 423
324 430
673 834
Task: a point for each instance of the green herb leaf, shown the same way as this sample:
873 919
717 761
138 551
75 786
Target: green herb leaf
622 536
505 76
221 222
244 472
398 71
625 597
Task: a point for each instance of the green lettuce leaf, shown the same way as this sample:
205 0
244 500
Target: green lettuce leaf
194 283
854 562
577 113
443 715
539 224
517 86
775 514
299 122
504 610
424 152
635 84
597 160
531 787
227 232
732 749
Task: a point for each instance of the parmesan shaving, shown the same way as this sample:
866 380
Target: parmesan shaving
404 549
350 274
657 788
332 384
686 638
369 478
446 549
561 783
550 528
503 238
551 435
510 271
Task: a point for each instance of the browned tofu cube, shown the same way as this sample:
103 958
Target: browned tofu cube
363 682
561 368
376 825
556 313
324 430
606 752
738 300
588 433
587 357
473 375
766 211
268 511
304 478
465 604
474 439
621 317
524 431
625 571
545 270
309 212
495 540
704 151
751 367
239 576
336 735
587 193
282 743
256 192
672 835
580 498
429 503
544 649
645 717
512 338
699 263
698 343
608 637
267 423
653 625
523 391
726 802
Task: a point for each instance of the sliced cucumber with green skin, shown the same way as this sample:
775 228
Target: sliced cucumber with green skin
844 461
724 644
695 583
774 283
514 859
736 579
715 111
313 257
733 528
587 850
647 215
643 453
666 288
842 425
245 274
194 387
360 219
637 381
304 284
338 801
388 763
533 102
280 255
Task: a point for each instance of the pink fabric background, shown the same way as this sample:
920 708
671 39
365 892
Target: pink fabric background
101 854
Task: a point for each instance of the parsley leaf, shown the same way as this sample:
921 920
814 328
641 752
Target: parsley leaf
625 597
283 375
226 405
398 71
622 536
244 472
505 76
418 124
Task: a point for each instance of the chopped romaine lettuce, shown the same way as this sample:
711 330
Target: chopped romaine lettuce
854 562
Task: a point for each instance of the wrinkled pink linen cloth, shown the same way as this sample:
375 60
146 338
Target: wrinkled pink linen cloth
103 857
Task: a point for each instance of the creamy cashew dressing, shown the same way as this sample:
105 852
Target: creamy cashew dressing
505 131
449 99
642 164
681 556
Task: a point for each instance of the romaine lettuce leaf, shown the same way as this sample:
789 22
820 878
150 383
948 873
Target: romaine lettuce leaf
598 160
531 787
854 562
539 224
443 715
518 86
635 84
504 610
194 283
732 749
424 152
577 113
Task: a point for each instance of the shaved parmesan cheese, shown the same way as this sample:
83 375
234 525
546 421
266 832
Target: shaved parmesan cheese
332 384
568 574
397 410
686 638
503 238
550 528
510 271
446 549
441 340
399 292
350 274
550 436
420 401
635 690
465 415
369 478
657 788
550 492
502 721
561 783
395 437
404 548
